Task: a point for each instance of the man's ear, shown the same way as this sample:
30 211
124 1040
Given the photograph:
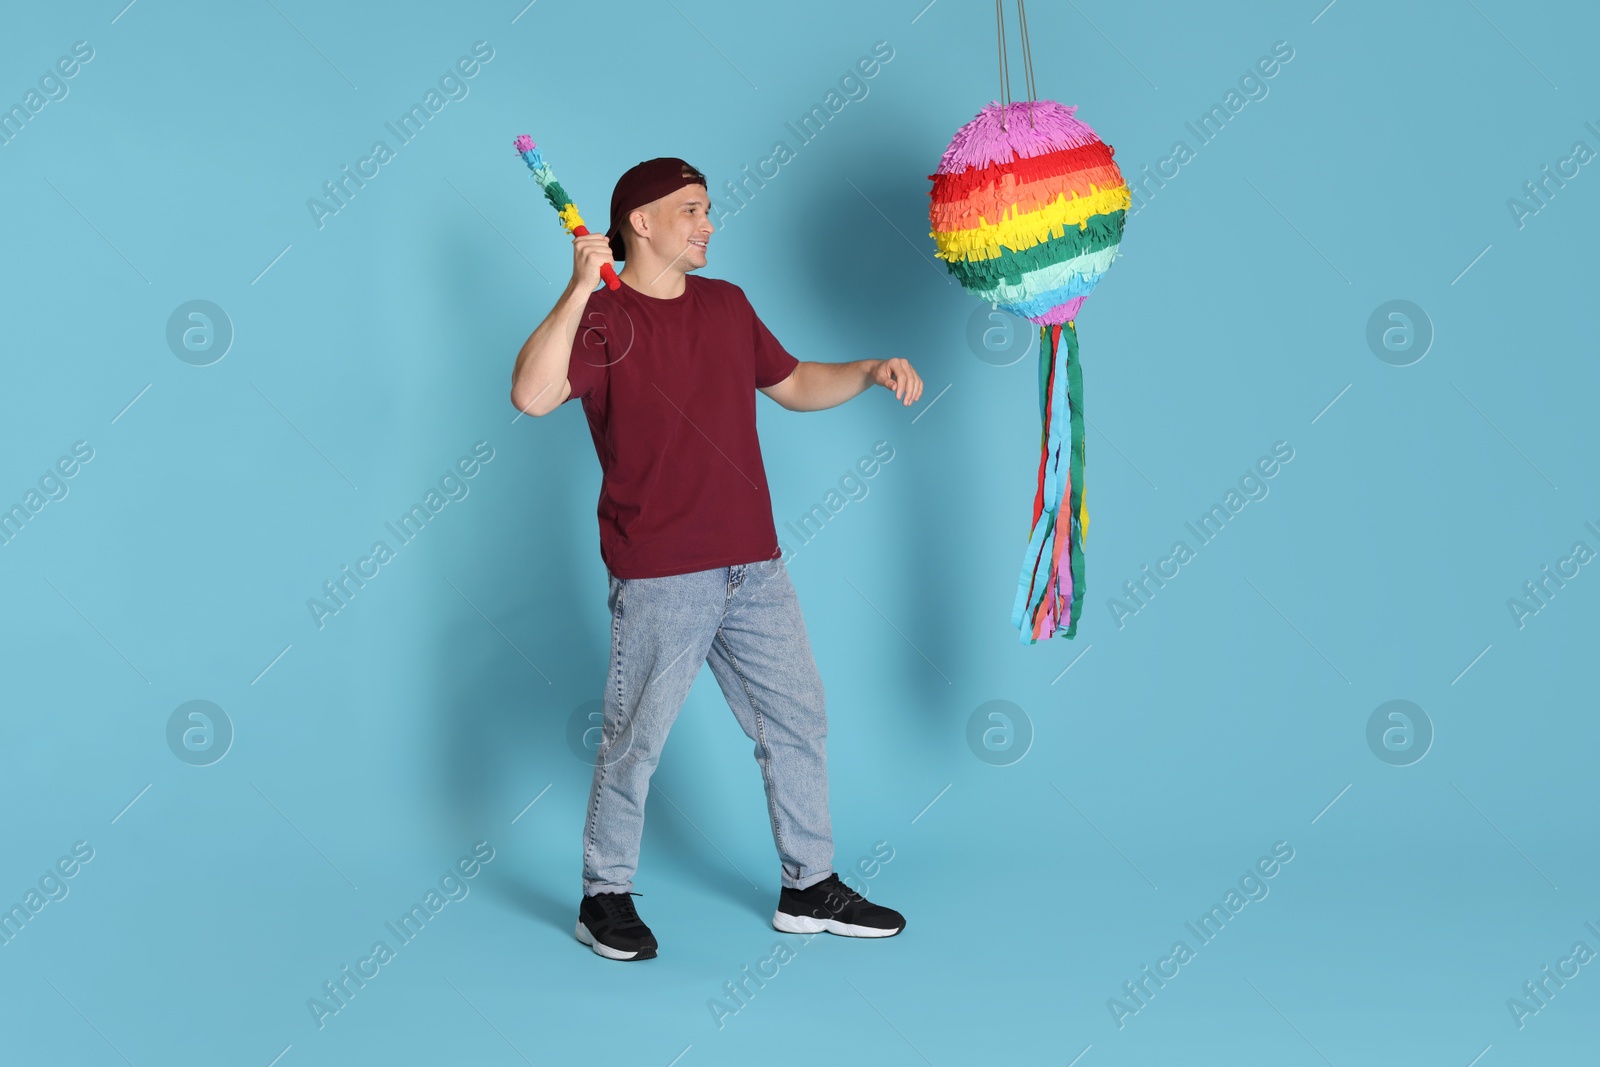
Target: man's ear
639 219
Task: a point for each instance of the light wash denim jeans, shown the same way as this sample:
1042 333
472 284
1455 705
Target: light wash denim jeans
745 621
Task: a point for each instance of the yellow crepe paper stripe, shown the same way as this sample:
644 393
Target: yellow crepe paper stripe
1021 231
570 217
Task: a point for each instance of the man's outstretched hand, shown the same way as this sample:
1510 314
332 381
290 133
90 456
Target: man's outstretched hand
896 374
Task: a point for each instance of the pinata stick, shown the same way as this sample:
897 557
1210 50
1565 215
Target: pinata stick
565 208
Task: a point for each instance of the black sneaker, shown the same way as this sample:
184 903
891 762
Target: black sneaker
608 924
833 906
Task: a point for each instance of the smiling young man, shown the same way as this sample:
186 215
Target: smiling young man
667 367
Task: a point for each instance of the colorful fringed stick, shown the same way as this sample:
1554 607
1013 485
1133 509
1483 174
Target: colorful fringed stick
1028 209
565 208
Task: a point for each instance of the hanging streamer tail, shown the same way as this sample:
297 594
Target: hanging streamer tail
1029 589
1079 511
1050 589
566 210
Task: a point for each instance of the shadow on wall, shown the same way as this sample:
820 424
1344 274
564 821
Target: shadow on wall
894 300
501 711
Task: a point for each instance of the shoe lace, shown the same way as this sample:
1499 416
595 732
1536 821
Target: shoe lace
619 910
837 894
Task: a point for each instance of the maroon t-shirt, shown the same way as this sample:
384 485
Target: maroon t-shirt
669 389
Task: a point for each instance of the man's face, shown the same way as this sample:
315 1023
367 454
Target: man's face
680 226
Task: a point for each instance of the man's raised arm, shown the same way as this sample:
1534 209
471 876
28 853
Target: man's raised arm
539 379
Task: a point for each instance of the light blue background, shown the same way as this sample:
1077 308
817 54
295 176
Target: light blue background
426 716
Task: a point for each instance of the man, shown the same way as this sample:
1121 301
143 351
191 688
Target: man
667 367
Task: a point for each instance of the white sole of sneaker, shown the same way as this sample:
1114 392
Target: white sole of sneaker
602 950
805 924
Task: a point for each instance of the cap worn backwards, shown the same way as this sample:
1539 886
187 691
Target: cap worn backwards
643 184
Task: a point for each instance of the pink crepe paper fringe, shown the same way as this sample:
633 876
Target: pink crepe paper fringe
1060 314
981 142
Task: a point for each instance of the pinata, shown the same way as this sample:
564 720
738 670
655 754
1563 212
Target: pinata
1028 209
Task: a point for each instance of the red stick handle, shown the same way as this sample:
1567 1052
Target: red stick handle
612 281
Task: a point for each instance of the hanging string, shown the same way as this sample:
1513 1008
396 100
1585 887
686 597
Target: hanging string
1027 59
1005 68
1005 72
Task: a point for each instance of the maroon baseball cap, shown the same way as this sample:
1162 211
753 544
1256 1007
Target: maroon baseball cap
644 184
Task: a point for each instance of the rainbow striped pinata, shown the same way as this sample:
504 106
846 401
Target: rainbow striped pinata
1028 208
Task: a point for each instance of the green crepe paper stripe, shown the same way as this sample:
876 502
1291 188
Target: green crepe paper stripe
1100 232
557 195
1044 371
1075 405
1086 270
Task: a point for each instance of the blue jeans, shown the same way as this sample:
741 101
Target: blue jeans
745 621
